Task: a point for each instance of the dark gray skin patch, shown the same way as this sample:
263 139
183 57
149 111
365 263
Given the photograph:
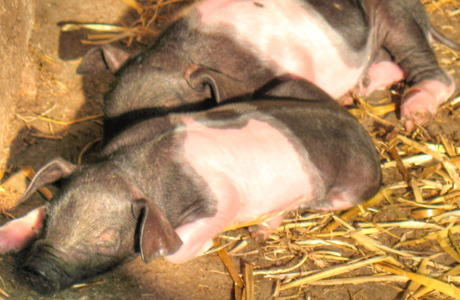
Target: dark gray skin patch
150 154
216 49
346 17
152 85
226 114
126 139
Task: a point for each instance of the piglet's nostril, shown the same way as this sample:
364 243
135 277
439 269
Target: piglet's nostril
42 278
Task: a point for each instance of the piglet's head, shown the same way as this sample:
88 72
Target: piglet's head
99 220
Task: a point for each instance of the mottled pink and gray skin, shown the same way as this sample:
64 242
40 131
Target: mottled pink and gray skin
300 40
340 46
168 185
293 37
221 156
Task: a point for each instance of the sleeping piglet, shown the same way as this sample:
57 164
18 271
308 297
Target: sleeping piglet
167 186
338 45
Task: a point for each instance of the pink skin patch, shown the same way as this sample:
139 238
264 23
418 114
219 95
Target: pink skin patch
422 100
251 171
380 76
18 233
299 41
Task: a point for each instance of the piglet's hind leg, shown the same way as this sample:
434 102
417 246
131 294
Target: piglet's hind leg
405 31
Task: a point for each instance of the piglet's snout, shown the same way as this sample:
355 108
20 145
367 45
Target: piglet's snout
43 271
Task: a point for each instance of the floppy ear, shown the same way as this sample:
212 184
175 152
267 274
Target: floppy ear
223 86
102 58
53 171
156 235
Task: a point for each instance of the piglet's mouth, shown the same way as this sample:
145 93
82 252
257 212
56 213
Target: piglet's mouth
44 273
40 279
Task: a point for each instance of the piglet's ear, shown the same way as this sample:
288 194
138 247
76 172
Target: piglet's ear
157 237
222 86
53 171
102 58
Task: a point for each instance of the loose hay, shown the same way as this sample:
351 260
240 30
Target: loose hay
387 237
4 293
12 189
153 15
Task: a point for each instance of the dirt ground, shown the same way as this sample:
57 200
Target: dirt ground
64 95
